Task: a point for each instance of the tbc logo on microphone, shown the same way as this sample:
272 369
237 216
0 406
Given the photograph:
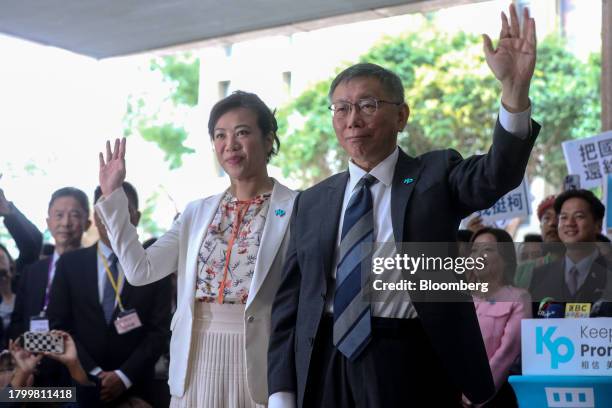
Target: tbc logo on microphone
544 339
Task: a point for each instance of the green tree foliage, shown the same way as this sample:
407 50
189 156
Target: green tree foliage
146 218
454 101
181 74
169 138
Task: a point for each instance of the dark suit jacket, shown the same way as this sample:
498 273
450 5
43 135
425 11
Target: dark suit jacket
26 236
446 188
549 281
30 296
29 302
75 307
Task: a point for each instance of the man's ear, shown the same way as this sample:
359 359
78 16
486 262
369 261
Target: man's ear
87 225
404 114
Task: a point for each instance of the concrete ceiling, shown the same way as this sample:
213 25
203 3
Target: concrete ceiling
109 28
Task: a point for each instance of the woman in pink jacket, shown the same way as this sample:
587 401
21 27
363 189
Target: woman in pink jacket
500 309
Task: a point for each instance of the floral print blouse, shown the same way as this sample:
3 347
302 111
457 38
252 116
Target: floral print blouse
234 235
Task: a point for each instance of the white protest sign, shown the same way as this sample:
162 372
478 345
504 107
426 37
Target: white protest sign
567 346
515 204
591 158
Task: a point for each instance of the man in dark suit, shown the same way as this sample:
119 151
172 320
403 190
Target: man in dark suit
25 234
68 219
90 295
329 347
582 274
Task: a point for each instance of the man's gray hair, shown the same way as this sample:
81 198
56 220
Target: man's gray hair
388 79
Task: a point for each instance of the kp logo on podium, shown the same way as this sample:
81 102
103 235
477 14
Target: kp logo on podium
554 347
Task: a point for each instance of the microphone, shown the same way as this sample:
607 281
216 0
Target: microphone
549 309
601 308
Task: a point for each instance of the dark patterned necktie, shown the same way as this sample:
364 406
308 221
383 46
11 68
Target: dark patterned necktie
352 313
108 300
573 280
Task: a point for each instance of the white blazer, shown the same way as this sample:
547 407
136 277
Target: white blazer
177 250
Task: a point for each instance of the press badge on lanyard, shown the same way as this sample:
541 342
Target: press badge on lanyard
127 320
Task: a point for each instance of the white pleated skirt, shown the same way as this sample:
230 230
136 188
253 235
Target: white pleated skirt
216 375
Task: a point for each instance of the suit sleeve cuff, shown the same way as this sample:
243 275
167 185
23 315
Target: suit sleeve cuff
518 124
282 399
126 381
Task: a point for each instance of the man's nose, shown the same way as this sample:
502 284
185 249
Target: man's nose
354 118
65 220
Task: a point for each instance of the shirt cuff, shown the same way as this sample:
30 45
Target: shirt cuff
95 371
126 381
282 399
101 199
519 124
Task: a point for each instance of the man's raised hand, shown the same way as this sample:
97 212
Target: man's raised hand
112 170
513 62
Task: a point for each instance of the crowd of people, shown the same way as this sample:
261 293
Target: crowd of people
255 296
568 262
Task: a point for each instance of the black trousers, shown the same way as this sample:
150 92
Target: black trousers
399 368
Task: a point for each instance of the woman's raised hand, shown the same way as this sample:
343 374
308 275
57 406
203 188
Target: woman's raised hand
112 170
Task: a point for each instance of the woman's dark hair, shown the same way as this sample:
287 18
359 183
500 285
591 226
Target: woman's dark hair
265 117
10 258
464 235
506 250
533 238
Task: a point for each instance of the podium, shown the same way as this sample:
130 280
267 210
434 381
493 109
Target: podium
567 363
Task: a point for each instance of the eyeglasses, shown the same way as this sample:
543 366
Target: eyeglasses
367 106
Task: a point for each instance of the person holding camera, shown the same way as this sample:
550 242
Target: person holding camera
26 363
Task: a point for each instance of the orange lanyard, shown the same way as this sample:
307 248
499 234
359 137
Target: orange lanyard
240 213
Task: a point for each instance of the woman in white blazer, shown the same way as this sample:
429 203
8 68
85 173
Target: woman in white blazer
228 251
